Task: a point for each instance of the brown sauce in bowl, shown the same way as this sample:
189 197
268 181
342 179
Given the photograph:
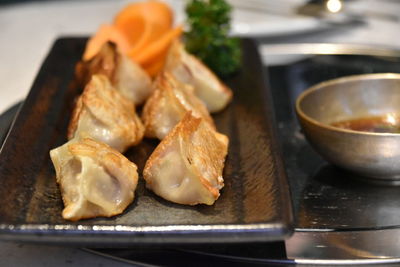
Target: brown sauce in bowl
388 123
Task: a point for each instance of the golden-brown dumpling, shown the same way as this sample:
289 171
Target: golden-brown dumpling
125 75
188 69
101 113
95 180
168 104
186 167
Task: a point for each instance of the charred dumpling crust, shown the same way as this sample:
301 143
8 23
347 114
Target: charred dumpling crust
125 75
188 69
168 104
102 114
186 167
95 180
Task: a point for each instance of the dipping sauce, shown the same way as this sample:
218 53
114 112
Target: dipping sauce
388 123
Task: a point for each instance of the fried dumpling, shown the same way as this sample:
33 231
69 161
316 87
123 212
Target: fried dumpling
188 69
101 113
125 75
168 104
186 167
95 180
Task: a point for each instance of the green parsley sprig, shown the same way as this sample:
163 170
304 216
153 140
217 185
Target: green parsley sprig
207 37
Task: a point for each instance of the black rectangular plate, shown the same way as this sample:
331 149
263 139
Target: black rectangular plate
255 203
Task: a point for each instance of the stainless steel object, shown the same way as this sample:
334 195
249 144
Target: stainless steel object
344 248
285 53
373 155
327 49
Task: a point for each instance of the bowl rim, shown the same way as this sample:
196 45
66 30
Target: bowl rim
345 79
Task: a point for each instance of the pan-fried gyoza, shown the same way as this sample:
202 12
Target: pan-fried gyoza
95 180
186 167
101 113
168 104
188 69
125 75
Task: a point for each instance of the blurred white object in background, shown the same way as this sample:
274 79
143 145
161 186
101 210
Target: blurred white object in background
270 18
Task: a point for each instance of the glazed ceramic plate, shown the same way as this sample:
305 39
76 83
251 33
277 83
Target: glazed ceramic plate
255 203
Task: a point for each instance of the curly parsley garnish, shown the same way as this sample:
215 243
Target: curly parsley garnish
207 38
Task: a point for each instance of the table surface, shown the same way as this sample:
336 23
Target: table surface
29 29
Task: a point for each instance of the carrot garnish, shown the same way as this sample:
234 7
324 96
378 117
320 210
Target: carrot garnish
143 31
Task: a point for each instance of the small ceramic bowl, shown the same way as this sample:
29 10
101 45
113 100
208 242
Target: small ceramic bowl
369 154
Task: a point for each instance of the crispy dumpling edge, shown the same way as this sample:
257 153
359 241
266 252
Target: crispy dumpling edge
72 148
187 125
80 110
